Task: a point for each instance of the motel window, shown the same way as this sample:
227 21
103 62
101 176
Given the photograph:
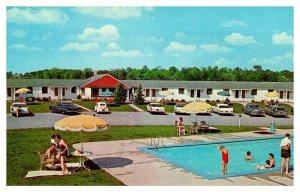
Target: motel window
164 89
147 92
73 90
270 90
44 89
181 91
254 92
209 91
83 91
112 90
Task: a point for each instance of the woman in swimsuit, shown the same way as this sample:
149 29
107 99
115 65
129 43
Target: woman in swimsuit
225 159
62 152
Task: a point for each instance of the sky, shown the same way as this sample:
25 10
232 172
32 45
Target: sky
120 37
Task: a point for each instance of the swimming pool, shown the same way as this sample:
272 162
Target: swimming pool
204 159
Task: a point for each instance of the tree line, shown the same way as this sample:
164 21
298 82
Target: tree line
257 73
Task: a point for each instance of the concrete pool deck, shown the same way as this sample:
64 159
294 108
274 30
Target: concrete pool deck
133 167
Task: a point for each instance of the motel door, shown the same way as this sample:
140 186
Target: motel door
56 91
198 93
243 93
281 94
95 92
192 93
237 93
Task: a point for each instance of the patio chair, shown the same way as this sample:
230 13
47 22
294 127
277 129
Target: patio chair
194 128
204 126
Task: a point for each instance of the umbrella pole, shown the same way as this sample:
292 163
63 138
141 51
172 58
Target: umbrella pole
81 141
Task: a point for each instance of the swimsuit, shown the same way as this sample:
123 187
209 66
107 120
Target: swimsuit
285 153
225 157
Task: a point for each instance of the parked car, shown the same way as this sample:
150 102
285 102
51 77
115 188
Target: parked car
101 107
276 111
64 107
222 109
21 106
178 108
253 109
155 108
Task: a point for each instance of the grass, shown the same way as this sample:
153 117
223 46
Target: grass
35 107
23 144
111 107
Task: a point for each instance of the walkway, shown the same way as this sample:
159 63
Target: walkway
136 107
124 161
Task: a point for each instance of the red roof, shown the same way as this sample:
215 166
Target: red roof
104 81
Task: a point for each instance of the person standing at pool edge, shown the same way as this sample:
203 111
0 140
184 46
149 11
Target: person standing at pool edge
285 146
225 159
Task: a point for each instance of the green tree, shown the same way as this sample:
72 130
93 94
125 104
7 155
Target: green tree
120 94
139 95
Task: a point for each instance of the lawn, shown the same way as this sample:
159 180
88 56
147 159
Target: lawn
35 107
111 107
168 108
23 144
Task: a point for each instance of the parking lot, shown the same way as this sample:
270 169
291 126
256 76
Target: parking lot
43 120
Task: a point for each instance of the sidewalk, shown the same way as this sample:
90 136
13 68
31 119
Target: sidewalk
124 161
136 108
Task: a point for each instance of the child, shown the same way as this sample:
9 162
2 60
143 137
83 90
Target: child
248 156
225 159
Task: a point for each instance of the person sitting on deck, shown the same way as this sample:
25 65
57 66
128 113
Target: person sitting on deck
269 163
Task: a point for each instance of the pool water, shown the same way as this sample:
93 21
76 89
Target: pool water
205 159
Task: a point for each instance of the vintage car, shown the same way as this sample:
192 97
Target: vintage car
21 106
101 107
276 111
155 108
253 109
222 109
178 108
64 107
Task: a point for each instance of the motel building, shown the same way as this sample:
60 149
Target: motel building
66 89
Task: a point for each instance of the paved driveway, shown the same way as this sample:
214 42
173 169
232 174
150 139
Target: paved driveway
42 120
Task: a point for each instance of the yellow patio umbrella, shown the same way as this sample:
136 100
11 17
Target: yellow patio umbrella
166 93
23 90
81 123
272 94
196 107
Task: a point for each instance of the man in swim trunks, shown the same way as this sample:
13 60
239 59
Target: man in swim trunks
225 159
285 146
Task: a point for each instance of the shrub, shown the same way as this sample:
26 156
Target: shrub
45 99
30 99
38 99
78 96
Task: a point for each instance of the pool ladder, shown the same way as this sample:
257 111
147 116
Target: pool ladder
156 144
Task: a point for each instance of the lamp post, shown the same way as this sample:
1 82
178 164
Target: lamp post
240 120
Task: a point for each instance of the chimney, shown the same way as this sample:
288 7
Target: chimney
95 72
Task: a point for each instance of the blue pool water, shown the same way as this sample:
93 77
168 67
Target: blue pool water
205 159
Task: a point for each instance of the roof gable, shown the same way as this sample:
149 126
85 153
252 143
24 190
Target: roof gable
104 80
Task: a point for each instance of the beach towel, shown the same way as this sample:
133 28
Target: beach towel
42 173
